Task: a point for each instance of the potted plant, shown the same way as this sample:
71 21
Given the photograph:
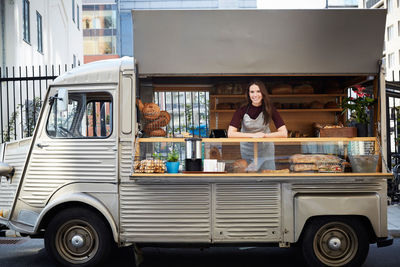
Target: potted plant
358 108
172 162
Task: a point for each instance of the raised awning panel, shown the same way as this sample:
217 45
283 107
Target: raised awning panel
215 42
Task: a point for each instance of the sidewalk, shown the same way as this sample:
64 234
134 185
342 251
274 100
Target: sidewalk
394 220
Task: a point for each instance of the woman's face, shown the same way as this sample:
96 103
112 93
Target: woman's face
255 95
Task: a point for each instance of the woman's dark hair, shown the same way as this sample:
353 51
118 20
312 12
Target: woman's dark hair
266 102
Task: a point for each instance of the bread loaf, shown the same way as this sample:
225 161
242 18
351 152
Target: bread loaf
151 111
303 89
158 133
282 89
161 121
240 166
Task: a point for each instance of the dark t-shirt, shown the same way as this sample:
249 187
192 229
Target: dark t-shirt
253 112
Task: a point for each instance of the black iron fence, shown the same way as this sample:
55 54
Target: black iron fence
22 91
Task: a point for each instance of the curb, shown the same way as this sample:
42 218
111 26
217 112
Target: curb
394 232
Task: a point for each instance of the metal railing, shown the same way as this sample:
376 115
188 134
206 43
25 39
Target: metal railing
21 96
189 111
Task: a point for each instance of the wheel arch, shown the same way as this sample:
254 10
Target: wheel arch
361 219
73 201
365 207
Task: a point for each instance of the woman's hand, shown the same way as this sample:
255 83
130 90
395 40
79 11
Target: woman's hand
259 135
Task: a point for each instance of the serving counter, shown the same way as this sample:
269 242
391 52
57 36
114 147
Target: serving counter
290 157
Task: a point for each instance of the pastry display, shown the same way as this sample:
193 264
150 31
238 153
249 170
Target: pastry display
149 166
315 163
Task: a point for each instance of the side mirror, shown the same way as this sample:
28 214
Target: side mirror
62 99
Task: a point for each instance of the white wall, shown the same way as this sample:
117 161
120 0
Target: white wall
61 37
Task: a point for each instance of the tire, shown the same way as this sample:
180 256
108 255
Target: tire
335 242
84 228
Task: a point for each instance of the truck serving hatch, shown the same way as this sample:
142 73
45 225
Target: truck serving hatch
259 42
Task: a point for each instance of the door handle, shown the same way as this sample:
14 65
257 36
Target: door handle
41 146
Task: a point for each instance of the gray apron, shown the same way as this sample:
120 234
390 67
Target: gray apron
266 151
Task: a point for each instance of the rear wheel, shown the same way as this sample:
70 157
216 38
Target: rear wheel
335 242
78 237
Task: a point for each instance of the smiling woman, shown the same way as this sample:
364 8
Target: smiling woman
253 121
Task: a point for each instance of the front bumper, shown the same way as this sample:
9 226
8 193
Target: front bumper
384 242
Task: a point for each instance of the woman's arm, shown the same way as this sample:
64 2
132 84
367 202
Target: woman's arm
233 132
281 132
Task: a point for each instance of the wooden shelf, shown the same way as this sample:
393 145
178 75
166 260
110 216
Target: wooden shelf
291 174
283 96
286 110
256 140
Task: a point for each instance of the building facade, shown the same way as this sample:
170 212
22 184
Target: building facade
391 50
40 32
99 19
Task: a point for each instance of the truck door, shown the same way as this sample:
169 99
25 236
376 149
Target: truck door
76 145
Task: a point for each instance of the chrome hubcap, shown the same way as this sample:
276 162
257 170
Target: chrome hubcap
77 241
334 243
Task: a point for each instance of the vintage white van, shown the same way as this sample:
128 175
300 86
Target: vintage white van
74 182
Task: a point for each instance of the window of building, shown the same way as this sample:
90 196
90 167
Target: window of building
398 3
73 10
390 60
389 6
39 32
77 16
27 31
99 29
390 33
88 115
74 61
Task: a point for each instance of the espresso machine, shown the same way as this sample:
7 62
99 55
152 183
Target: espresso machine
193 161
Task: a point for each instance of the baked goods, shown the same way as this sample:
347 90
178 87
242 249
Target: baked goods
282 89
239 166
151 111
161 121
316 104
303 89
154 119
149 166
315 162
140 104
215 154
158 133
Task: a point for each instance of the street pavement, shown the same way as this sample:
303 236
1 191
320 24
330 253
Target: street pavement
394 220
31 253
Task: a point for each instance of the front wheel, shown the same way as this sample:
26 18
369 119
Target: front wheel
78 237
335 242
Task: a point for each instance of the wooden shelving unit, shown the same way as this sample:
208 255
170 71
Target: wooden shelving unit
296 119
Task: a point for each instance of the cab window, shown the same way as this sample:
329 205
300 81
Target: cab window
88 115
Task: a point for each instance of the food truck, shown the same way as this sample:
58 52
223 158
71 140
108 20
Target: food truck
93 174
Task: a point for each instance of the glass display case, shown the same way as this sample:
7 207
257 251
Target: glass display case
235 156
